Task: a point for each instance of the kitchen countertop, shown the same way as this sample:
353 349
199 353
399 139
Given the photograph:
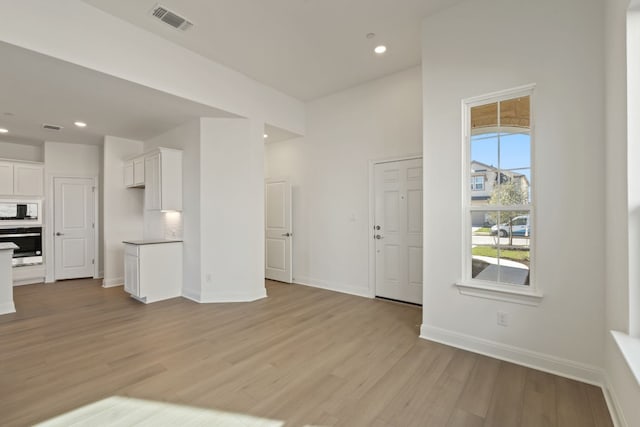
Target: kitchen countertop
7 246
150 242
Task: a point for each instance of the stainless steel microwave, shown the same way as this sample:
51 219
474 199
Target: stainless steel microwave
20 212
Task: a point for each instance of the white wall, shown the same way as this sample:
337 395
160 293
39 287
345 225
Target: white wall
67 160
187 223
122 208
31 153
232 209
621 382
329 172
476 48
74 31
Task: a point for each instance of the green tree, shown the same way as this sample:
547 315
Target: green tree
509 193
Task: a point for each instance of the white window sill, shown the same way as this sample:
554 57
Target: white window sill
507 293
630 348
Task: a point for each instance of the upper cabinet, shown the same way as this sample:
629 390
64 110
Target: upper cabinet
6 178
163 180
134 172
138 171
21 179
28 180
159 172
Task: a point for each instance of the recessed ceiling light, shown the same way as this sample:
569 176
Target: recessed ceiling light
3 130
380 49
80 124
266 135
371 35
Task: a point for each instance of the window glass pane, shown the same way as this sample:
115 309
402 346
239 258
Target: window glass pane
501 252
517 188
513 234
515 150
484 258
484 167
512 189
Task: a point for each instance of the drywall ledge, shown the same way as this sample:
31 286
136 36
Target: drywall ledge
630 348
531 359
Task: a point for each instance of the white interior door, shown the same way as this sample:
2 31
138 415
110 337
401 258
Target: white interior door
398 230
278 235
74 232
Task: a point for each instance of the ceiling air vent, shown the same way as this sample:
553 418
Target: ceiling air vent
51 127
173 19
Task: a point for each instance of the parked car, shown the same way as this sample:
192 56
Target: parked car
520 226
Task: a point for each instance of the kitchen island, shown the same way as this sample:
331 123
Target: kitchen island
6 278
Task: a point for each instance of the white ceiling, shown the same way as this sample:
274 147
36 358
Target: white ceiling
304 48
39 89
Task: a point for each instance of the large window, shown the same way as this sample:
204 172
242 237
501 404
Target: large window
499 222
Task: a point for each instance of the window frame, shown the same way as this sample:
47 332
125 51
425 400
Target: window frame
531 294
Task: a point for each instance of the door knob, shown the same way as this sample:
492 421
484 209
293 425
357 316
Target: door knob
59 234
378 236
287 234
378 227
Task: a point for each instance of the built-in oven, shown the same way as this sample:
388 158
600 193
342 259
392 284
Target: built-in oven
29 242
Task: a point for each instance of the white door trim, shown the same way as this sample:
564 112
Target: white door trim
372 207
47 232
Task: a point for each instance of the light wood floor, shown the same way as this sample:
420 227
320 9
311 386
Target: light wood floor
303 355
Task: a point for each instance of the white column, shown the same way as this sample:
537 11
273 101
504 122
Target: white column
232 209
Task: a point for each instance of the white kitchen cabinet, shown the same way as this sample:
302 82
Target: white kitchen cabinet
153 270
128 173
134 172
152 190
28 180
21 179
6 178
131 271
163 180
138 172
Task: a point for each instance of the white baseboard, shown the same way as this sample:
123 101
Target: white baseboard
7 308
111 283
330 286
191 295
520 356
31 281
231 297
617 415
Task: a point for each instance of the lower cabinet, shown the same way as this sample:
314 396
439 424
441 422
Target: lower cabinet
153 271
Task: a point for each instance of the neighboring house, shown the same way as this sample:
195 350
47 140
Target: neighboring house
483 180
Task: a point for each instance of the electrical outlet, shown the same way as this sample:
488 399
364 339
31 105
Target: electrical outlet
503 318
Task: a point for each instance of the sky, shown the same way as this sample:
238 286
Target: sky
515 151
